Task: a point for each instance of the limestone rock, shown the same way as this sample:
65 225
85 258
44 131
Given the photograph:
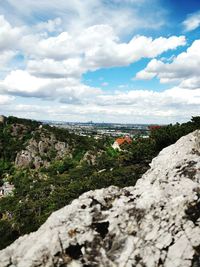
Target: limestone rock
155 223
40 150
23 159
18 129
89 157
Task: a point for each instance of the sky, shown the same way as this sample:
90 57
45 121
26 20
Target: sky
121 61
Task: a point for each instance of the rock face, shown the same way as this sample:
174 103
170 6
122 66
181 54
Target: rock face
38 152
155 223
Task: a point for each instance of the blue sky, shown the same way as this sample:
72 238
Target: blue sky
128 61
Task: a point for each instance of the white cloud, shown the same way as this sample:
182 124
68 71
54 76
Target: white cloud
123 16
6 57
20 82
96 47
5 99
58 48
151 99
9 36
52 25
135 106
67 90
184 69
112 53
192 22
51 68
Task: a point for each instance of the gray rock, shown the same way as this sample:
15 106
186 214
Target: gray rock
43 147
37 152
154 223
60 146
89 157
23 158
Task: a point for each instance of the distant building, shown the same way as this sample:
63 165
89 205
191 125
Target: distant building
154 127
120 141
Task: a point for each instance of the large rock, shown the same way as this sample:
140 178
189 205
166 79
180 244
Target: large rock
155 223
40 150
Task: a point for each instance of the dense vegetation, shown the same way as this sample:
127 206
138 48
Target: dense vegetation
38 192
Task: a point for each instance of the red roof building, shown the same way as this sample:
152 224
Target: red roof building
120 141
154 127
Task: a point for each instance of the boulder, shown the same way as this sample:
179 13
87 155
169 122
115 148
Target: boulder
155 223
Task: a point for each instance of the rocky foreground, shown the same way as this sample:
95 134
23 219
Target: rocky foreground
155 223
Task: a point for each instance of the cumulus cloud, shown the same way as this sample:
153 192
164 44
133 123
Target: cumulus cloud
59 47
134 106
21 83
151 99
172 105
96 47
184 69
9 36
51 68
113 53
192 22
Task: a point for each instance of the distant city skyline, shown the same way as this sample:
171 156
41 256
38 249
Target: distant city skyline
116 61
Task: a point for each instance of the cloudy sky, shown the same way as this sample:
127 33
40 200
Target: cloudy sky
128 61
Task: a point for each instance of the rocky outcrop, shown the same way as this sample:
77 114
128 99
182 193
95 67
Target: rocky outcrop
91 157
155 223
2 119
18 130
40 150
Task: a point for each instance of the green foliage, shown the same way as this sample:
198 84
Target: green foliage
13 136
167 135
61 166
8 235
5 167
196 122
139 151
112 152
30 123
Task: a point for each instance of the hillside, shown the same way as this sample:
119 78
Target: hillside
44 168
155 223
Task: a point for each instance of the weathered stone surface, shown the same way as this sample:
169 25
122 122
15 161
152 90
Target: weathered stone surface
37 152
23 159
155 223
